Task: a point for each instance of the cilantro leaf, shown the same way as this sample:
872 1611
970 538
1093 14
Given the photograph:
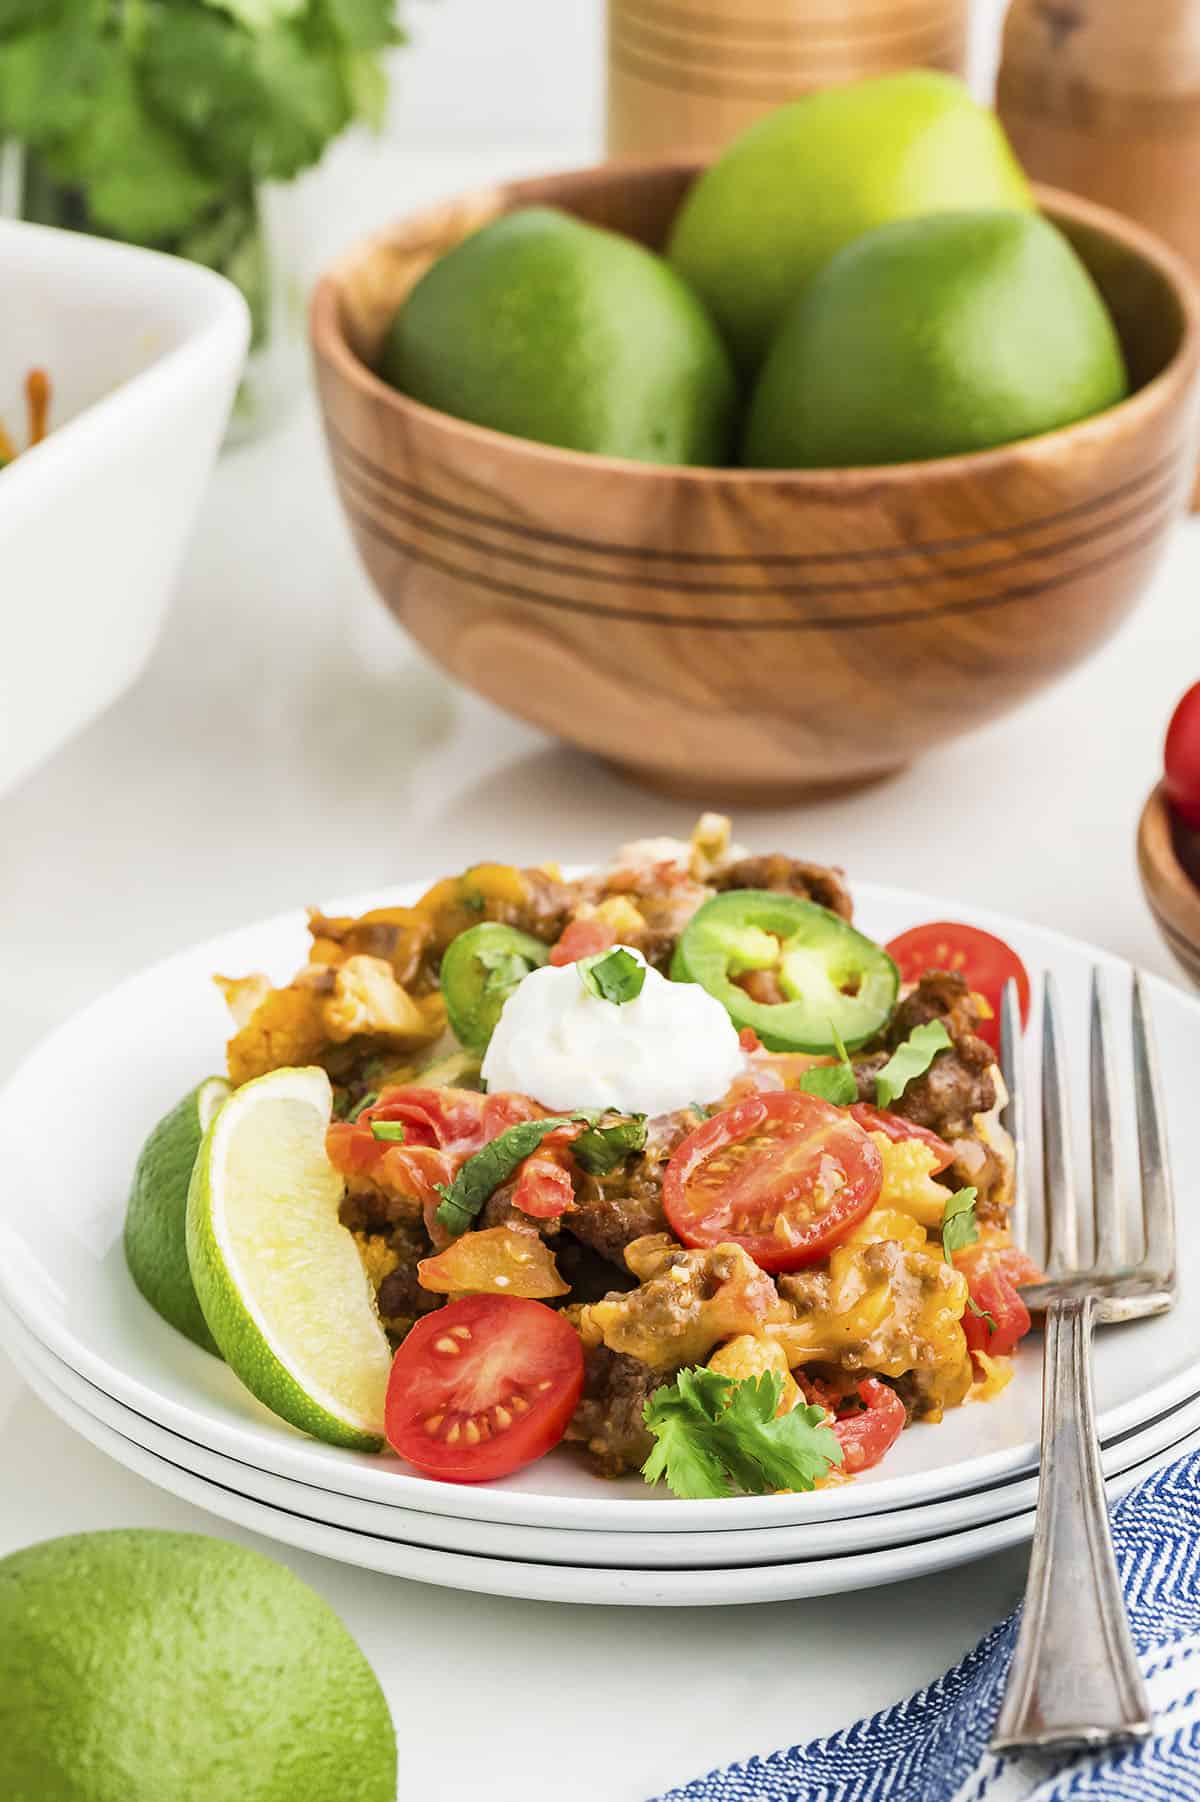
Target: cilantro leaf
982 1314
503 970
833 1082
714 1436
616 976
599 1149
910 1060
482 1174
959 1226
259 15
362 24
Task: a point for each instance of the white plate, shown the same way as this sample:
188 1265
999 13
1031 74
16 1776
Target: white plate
539 1582
74 1116
679 1550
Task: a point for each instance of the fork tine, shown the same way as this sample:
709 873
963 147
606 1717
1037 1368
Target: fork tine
1062 1215
1106 1205
1158 1202
1014 1113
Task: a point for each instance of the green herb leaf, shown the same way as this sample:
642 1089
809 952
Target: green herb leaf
959 1226
362 24
360 1107
484 1173
600 1149
910 1060
714 1436
982 1314
391 1132
833 1082
503 970
616 976
259 15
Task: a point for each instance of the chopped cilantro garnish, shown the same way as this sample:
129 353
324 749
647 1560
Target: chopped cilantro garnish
716 1437
599 1149
499 1159
910 1060
959 1226
982 1314
390 1131
833 1082
615 976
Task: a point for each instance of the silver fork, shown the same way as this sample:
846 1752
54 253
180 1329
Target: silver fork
1075 1679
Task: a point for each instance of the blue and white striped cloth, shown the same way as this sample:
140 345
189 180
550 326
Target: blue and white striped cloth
933 1747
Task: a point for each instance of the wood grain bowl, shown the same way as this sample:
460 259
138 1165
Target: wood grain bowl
1169 865
753 635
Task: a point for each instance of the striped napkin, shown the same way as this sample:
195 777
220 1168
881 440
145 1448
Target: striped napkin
933 1747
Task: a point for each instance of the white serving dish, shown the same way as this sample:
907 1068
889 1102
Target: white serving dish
127 1058
144 353
679 1549
550 1582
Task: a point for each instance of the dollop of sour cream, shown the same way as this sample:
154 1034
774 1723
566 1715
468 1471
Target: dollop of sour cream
567 1048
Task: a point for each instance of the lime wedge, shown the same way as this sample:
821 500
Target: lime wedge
279 1278
156 1219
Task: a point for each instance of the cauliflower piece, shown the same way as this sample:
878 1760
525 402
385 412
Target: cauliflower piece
688 1302
325 1005
244 995
366 998
285 1028
908 1181
752 1354
887 1303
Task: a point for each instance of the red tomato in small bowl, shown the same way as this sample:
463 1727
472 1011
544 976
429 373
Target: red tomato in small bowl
1181 758
985 962
786 1175
483 1386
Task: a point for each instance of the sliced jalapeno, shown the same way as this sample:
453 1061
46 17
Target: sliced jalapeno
831 979
480 970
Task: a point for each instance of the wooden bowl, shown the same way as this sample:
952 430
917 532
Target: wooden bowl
752 635
1169 865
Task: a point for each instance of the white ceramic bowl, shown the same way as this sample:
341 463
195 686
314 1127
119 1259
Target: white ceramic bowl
144 352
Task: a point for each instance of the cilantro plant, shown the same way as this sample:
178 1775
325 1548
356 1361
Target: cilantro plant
716 1437
155 121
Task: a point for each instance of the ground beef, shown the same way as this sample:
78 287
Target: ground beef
608 1419
958 1084
612 1212
401 1295
811 881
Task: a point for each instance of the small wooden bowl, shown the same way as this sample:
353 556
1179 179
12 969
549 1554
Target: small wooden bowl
748 635
1169 865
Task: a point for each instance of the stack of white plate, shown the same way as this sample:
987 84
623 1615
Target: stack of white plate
71 1124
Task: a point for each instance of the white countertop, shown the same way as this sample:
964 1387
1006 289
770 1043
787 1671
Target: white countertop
287 745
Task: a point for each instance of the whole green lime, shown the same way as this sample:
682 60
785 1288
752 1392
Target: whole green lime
804 181
552 329
934 336
169 1667
156 1218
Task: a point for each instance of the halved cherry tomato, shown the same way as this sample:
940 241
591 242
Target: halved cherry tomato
1181 758
785 1175
583 938
866 1436
985 961
895 1127
482 1387
992 1276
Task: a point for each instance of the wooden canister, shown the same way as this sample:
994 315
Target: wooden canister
1102 97
687 75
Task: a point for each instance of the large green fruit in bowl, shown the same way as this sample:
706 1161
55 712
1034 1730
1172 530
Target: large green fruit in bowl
549 328
799 184
935 336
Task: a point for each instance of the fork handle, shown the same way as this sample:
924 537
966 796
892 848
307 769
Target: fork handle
1075 1679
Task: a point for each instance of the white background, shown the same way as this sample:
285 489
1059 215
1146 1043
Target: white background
287 745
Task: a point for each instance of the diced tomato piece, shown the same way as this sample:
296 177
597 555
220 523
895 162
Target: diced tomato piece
865 1437
749 1040
543 1187
895 1127
583 938
993 1274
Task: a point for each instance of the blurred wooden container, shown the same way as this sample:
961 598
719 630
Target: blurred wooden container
685 76
1102 97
